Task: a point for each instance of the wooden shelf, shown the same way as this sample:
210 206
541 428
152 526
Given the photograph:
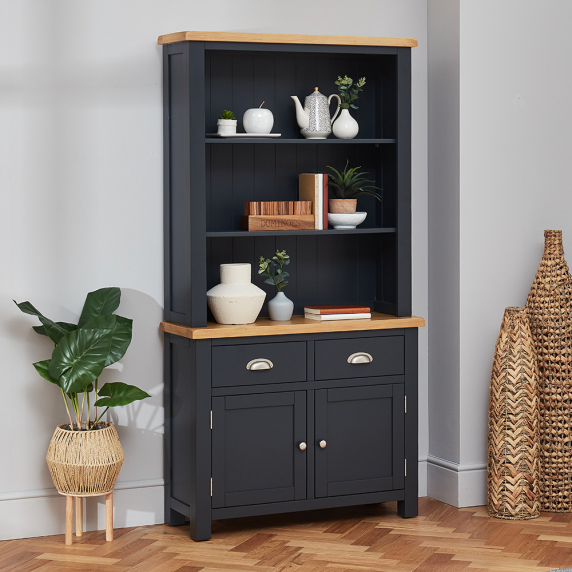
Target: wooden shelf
297 325
239 233
285 39
277 140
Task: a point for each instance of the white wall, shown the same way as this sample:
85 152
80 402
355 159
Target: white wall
81 178
515 181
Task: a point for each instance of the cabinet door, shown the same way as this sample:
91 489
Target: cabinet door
256 453
363 431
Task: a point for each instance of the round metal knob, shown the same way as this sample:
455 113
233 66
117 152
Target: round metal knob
322 444
302 446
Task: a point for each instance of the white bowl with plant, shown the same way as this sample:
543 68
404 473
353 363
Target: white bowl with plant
346 187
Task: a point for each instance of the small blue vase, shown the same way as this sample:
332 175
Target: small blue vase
280 308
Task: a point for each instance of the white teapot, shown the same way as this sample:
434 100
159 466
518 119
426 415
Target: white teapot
314 118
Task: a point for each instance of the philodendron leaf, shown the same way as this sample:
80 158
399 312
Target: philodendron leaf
52 329
116 394
65 325
42 369
101 302
121 328
80 358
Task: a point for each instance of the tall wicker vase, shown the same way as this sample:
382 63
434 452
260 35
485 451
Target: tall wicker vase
85 462
550 310
514 454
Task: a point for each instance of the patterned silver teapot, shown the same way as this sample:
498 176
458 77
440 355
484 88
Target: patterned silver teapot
314 118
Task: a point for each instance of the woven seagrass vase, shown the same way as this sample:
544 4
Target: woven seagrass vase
550 312
514 450
85 462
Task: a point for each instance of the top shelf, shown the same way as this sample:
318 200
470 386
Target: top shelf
286 39
275 140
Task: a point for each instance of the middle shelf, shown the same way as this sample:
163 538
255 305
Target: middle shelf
239 233
274 141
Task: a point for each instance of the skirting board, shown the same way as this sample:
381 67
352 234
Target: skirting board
42 513
457 485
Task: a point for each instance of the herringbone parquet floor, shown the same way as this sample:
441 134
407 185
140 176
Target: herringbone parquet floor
442 539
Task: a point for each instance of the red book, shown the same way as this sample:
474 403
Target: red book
349 309
325 201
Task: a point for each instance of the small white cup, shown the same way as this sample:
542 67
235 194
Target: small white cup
258 120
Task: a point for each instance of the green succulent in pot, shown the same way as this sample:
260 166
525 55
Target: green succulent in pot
82 351
347 186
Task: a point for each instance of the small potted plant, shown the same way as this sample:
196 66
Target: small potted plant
85 455
346 127
226 123
348 185
280 308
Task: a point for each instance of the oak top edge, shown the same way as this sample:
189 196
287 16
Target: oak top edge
285 39
297 325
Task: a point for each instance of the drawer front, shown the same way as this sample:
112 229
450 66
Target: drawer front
229 364
331 357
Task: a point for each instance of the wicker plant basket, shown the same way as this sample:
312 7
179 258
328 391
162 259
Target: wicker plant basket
85 462
550 312
514 453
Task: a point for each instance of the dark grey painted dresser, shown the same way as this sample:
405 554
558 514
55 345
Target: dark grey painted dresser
328 415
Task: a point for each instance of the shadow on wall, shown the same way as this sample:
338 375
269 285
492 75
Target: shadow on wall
140 424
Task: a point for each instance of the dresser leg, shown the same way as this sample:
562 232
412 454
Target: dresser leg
200 528
407 508
174 518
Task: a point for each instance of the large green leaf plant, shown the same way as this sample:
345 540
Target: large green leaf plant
82 351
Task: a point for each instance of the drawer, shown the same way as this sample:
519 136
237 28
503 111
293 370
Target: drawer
229 364
331 357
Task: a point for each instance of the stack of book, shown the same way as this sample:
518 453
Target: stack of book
326 313
277 215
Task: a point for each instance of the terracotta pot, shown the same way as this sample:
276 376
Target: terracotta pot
343 206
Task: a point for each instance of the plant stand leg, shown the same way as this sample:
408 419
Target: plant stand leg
109 516
69 520
78 516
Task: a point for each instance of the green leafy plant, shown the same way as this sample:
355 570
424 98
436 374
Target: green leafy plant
82 351
349 184
273 270
227 115
349 90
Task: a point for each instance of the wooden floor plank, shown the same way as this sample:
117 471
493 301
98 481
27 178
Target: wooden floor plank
371 538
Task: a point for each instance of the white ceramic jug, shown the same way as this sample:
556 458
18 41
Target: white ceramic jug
314 118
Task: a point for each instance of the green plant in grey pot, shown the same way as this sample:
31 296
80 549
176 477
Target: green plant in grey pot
280 308
346 127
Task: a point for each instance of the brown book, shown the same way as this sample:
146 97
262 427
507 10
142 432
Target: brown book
349 309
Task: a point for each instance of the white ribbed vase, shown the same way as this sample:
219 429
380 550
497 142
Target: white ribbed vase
235 300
